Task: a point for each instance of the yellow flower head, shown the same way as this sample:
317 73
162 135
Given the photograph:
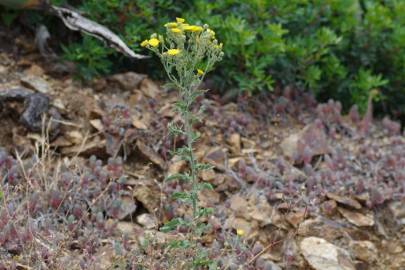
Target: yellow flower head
193 28
212 33
240 232
180 20
200 72
218 46
175 30
153 42
144 43
171 25
173 51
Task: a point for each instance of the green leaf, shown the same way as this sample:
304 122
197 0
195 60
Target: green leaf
178 176
175 130
172 225
204 185
204 212
182 196
203 166
183 244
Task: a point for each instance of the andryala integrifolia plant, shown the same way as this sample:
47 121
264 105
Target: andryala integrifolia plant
187 52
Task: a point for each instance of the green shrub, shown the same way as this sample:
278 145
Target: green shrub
338 49
90 57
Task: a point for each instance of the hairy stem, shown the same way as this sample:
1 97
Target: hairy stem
188 126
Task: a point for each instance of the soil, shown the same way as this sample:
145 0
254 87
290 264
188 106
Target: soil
287 171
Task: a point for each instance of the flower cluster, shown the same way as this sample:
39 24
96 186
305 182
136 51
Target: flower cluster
186 48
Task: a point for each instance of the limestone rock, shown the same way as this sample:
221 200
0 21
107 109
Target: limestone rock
322 255
357 218
128 81
364 250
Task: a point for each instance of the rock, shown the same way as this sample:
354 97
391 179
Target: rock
322 255
149 198
397 209
128 228
320 228
208 175
393 246
138 123
128 81
36 105
344 200
149 88
150 154
34 70
311 137
208 198
253 208
295 218
239 206
216 157
329 208
235 142
36 83
95 146
147 221
262 211
364 250
3 69
176 166
74 136
357 218
266 264
128 207
246 227
105 257
97 124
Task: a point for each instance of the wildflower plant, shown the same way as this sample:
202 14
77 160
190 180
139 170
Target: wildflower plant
187 52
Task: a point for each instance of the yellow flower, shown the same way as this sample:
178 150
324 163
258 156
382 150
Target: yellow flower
171 25
180 20
175 30
187 27
200 72
144 43
173 51
240 232
193 28
153 42
218 46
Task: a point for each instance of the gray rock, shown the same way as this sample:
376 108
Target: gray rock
364 250
322 255
128 81
147 221
36 83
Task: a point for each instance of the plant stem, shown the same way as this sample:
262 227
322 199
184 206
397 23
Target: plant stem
189 133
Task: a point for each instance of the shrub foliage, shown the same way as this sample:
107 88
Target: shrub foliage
338 49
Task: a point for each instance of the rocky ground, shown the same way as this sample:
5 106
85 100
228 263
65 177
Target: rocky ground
306 187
